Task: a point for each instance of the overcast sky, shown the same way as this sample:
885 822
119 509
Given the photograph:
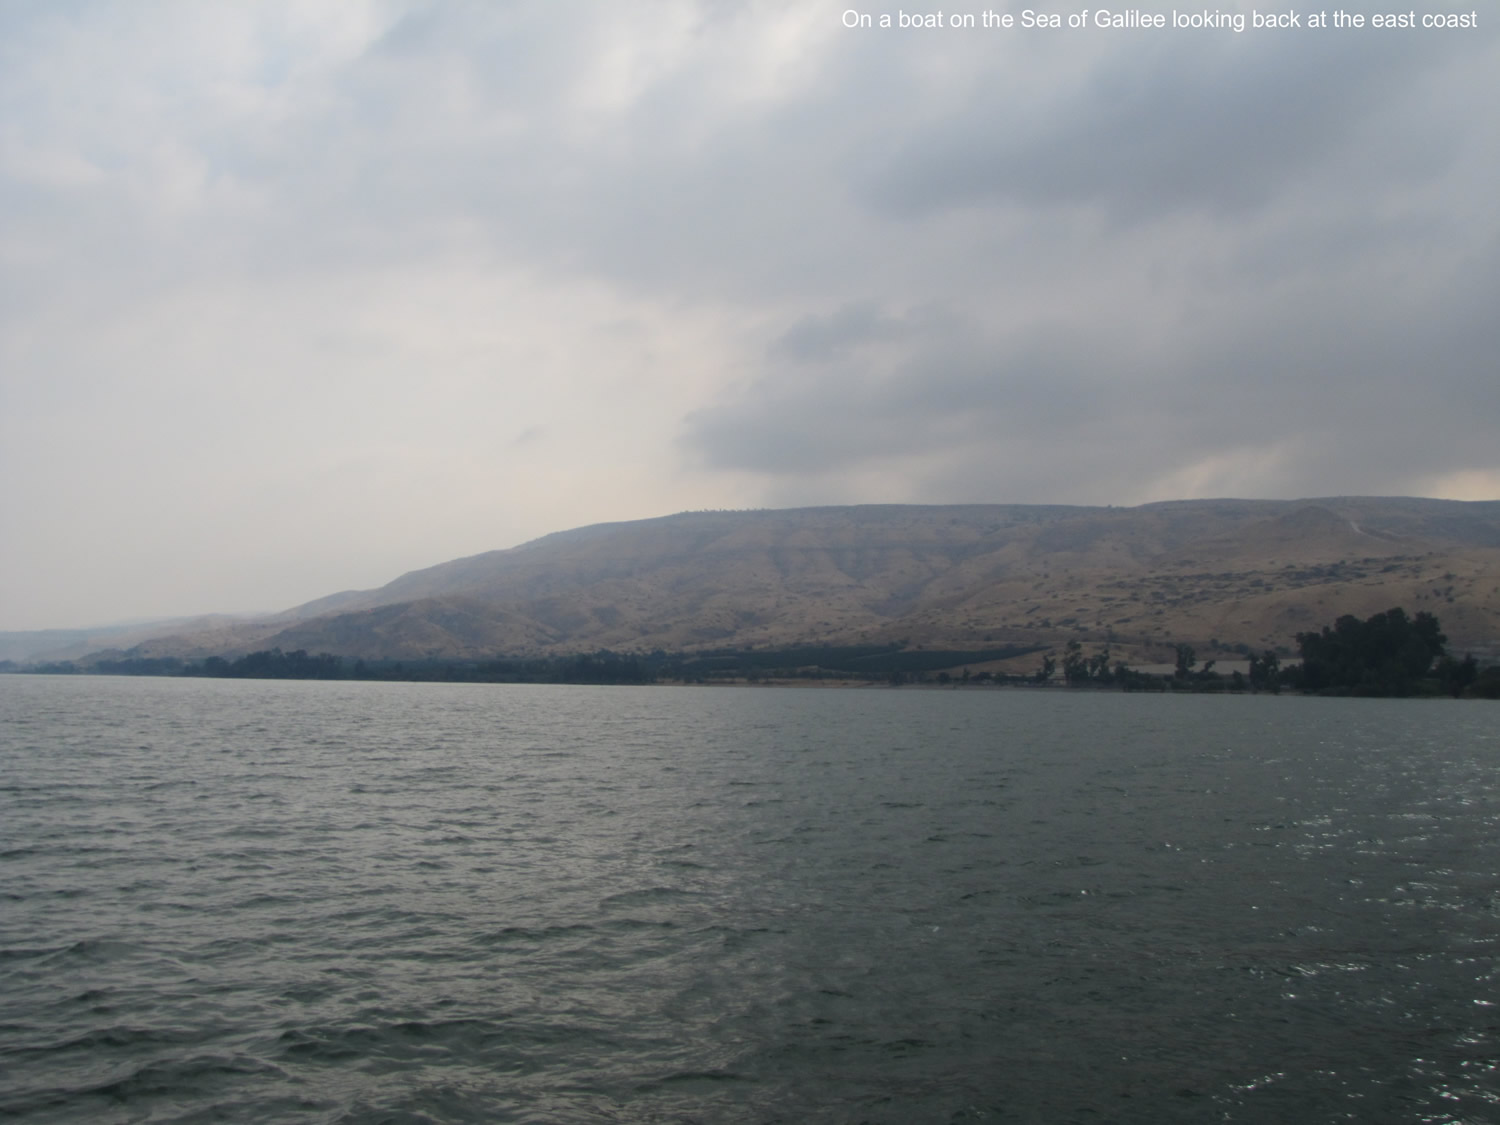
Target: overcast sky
296 296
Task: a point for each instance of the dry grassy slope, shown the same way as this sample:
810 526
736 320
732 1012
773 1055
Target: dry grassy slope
1252 572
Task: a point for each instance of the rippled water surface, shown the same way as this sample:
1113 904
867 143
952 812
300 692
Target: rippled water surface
350 902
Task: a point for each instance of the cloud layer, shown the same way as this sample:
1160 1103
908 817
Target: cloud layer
294 297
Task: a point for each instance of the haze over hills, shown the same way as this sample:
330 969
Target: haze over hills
32 645
1235 572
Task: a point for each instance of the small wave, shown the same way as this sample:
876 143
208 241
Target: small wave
392 1041
647 897
119 1038
735 938
626 925
526 934
693 1078
24 954
97 951
201 1072
264 899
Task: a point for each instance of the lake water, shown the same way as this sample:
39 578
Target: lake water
355 902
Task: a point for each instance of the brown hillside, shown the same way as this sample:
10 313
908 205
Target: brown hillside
1228 571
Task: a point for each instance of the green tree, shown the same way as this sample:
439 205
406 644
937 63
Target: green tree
1043 674
1075 664
1099 666
1264 670
1186 659
1457 675
1385 654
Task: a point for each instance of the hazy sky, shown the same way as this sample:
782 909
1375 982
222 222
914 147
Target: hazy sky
296 296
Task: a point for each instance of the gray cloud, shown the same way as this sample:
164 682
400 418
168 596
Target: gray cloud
292 295
814 338
1370 384
1187 122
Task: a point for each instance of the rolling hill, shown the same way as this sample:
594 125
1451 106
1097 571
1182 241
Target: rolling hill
1214 573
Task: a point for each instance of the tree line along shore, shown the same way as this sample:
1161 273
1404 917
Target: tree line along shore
1387 654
